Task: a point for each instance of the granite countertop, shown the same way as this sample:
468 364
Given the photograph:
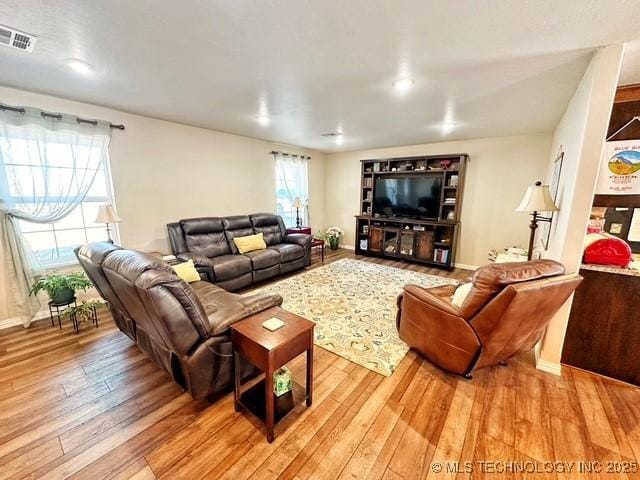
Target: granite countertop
610 269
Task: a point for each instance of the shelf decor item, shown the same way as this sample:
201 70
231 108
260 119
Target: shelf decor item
282 381
536 199
332 236
107 215
60 287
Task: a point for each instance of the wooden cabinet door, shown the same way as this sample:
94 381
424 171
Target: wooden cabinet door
375 239
424 245
407 243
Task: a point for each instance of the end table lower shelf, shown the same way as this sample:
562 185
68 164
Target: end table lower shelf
268 351
253 400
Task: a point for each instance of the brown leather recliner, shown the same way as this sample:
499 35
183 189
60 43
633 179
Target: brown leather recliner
184 328
506 313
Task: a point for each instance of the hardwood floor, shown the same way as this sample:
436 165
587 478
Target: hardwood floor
93 406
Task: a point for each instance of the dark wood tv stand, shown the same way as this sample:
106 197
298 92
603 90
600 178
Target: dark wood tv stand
432 241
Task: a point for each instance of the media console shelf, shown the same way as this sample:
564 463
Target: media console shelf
431 241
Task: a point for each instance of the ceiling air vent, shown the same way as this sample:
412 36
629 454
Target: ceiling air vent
331 134
17 39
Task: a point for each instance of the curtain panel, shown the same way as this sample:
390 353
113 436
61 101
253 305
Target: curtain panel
47 166
292 180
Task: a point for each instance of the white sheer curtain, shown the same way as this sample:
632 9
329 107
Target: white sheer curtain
292 180
47 166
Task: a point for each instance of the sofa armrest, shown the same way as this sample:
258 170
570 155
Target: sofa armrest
239 309
434 299
443 291
301 239
434 327
203 264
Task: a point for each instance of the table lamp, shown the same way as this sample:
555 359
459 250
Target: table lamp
297 204
107 214
536 199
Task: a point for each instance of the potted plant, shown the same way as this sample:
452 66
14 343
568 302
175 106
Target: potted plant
332 236
61 287
84 312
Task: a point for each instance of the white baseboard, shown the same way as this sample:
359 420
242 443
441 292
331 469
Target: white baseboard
9 322
16 322
549 367
457 265
465 266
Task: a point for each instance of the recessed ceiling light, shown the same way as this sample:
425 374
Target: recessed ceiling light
403 84
263 120
79 66
448 127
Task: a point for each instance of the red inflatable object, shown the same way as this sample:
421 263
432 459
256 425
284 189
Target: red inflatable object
608 251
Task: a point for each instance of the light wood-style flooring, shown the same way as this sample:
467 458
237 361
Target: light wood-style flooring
92 406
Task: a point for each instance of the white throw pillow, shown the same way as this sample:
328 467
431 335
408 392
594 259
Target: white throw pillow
461 293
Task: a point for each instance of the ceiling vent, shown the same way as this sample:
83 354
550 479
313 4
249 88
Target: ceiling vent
331 134
11 37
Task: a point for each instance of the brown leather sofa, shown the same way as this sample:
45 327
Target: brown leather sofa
208 241
506 313
184 328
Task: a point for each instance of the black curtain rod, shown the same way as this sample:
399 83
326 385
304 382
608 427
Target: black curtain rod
274 152
57 116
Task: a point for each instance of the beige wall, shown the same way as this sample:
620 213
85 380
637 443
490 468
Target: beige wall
581 133
498 173
164 171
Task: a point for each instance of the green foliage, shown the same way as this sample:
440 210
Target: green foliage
55 282
84 311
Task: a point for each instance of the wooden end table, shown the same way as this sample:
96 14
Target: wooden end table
318 243
305 230
269 351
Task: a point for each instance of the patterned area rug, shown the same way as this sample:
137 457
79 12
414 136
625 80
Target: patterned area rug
354 306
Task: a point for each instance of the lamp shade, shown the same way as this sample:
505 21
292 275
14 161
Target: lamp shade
537 198
297 203
107 214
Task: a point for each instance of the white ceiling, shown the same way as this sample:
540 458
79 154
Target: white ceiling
493 67
630 72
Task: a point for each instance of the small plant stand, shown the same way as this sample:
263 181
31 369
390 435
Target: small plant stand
76 321
58 309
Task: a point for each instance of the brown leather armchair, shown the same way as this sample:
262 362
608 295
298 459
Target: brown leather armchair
506 313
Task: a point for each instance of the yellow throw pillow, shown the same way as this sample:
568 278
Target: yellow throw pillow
250 243
187 271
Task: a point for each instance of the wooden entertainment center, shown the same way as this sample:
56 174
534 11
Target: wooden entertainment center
431 241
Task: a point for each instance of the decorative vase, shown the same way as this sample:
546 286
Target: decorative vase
333 242
62 296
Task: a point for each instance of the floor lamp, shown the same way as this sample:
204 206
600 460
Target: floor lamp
536 199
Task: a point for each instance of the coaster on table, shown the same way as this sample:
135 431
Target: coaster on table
273 324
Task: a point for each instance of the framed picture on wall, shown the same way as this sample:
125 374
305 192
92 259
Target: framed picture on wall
553 189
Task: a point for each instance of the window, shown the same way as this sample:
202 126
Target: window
53 243
292 182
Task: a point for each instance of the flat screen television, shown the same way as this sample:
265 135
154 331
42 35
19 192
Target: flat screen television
408 196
